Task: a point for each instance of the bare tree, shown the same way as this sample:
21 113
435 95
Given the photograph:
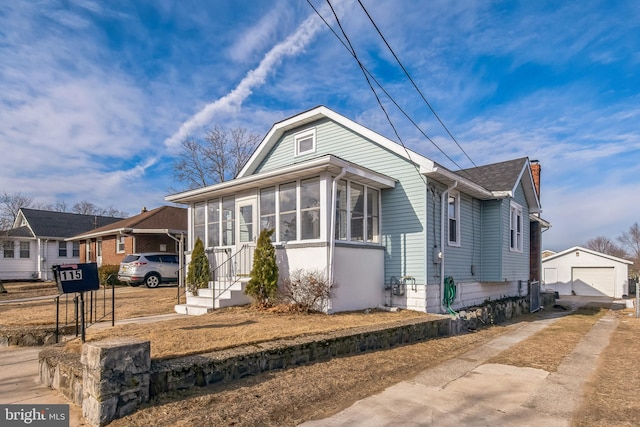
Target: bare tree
85 207
10 204
630 240
111 211
218 157
606 246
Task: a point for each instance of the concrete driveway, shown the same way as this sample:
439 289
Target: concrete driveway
467 391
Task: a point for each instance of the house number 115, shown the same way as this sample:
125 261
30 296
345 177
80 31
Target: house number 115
66 275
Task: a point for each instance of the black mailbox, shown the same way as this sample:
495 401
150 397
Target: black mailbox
76 277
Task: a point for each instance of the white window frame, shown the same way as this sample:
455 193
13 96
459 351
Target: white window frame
120 243
515 219
8 249
63 250
456 219
25 251
376 233
302 136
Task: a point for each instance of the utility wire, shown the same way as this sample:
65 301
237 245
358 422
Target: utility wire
385 92
426 102
414 83
365 73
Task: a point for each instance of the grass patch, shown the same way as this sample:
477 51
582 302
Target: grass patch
546 349
611 395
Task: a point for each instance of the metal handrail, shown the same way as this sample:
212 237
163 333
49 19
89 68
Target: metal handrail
235 273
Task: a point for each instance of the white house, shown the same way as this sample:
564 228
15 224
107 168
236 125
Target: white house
581 271
387 225
37 242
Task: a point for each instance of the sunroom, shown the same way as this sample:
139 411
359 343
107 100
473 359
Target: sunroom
297 201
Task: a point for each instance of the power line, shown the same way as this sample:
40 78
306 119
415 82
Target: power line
365 73
414 83
384 90
391 98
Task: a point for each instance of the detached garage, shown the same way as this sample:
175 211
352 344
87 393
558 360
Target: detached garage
581 271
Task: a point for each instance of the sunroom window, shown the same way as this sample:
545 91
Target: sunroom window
357 212
228 220
288 211
310 208
268 210
213 223
198 222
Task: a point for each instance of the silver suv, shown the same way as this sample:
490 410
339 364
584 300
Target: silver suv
150 268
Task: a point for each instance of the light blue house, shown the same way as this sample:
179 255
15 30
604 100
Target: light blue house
389 226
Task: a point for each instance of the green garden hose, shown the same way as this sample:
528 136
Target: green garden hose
449 294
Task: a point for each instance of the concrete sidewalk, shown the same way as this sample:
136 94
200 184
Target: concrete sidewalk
468 391
20 382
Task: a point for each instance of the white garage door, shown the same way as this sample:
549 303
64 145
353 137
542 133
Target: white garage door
595 281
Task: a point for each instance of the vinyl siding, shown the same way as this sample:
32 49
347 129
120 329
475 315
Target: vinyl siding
403 207
516 264
492 236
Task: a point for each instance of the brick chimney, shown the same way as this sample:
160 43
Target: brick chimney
535 172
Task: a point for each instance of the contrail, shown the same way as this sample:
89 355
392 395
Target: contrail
256 77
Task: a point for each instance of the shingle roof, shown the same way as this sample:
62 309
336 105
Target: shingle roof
63 224
501 176
18 232
164 217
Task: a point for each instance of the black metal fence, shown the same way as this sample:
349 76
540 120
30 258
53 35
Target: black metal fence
79 311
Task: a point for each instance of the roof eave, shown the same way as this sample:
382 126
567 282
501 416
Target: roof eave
447 177
298 170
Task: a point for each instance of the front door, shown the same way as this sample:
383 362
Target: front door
247 227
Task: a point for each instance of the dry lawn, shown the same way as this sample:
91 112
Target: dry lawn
546 349
286 398
611 396
289 397
130 302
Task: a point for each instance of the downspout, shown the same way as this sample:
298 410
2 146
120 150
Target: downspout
443 217
180 261
332 237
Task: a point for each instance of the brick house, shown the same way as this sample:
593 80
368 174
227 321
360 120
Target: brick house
157 230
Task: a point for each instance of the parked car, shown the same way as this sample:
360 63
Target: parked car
149 268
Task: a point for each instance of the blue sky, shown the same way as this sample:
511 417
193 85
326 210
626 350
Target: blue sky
95 96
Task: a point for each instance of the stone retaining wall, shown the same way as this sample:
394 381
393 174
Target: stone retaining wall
65 372
25 336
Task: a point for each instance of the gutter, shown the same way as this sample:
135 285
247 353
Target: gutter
443 218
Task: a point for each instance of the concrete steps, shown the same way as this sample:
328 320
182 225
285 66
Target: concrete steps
227 294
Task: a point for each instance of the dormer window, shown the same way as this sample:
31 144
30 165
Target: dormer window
305 142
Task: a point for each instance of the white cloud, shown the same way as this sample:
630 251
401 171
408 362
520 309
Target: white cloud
231 102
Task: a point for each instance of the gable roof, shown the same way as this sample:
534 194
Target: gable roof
57 225
589 251
503 178
493 181
318 113
164 219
